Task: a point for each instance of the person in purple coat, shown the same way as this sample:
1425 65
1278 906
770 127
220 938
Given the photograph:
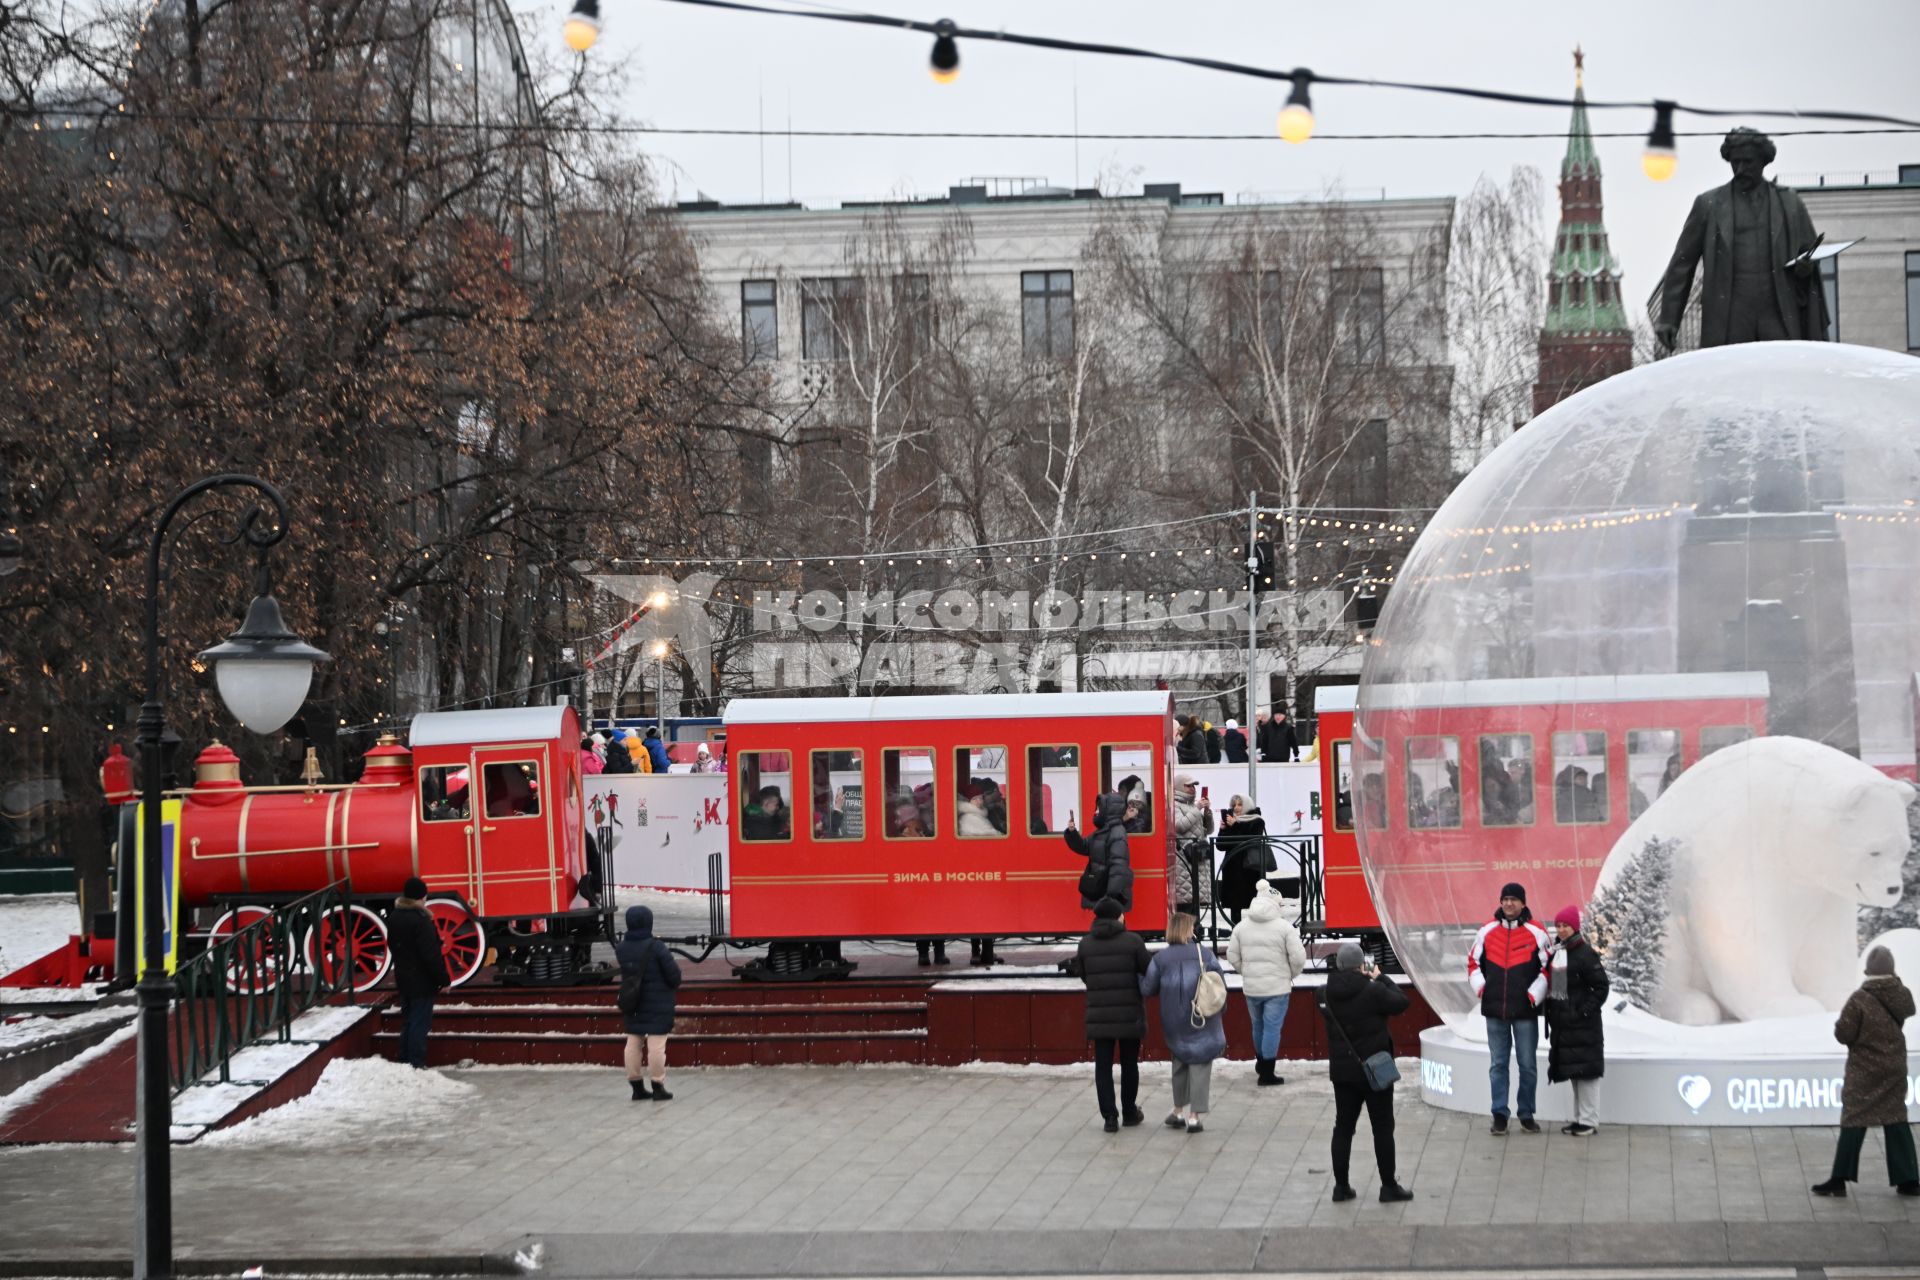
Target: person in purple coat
1172 975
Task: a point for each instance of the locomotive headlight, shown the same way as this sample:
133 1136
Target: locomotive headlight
263 669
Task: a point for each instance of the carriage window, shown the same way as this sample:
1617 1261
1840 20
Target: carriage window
1506 780
443 793
839 796
1580 777
1653 762
1433 782
1343 785
980 791
906 775
1053 789
512 788
766 785
1716 736
1127 767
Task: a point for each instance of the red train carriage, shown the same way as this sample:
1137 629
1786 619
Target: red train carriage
937 817
1472 783
485 807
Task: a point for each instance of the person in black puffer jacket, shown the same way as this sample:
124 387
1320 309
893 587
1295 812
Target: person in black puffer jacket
1358 1002
1576 1036
1245 857
1107 848
1110 961
419 968
644 958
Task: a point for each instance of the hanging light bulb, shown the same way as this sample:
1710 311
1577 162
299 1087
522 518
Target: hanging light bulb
944 65
1296 118
582 26
1660 158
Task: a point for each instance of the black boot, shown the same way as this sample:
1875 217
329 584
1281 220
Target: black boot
986 952
940 951
1831 1187
660 1093
639 1090
924 951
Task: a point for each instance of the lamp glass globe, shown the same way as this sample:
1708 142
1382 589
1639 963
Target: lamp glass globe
263 693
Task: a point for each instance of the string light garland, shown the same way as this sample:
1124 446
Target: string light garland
1295 123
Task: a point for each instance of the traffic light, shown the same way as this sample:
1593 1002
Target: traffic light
1261 567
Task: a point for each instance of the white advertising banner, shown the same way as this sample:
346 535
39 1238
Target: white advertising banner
659 829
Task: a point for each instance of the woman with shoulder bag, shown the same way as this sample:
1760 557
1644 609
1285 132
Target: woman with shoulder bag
648 979
1359 1000
1192 988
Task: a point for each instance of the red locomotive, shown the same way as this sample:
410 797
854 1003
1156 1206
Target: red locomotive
936 817
1470 783
485 807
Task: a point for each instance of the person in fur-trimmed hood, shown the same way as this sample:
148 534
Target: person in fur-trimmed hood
1874 1091
419 968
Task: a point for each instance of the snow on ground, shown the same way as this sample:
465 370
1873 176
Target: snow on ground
33 924
34 1030
354 1097
34 1088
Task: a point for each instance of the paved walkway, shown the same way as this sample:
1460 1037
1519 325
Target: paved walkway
861 1171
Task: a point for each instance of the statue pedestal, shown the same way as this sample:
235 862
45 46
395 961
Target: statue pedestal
1783 1071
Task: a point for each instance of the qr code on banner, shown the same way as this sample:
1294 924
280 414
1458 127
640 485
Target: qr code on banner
640 816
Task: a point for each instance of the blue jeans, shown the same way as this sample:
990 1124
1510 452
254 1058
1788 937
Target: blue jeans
416 1016
1521 1037
1267 1013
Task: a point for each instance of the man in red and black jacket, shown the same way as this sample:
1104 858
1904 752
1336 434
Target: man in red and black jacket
1507 969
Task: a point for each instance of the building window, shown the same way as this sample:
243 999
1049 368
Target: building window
913 309
826 304
1046 314
759 321
1360 314
1910 175
1830 286
1913 301
1254 317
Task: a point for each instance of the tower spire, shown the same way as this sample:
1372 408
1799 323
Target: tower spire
1586 337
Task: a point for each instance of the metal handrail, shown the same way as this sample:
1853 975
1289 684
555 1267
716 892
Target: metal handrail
251 985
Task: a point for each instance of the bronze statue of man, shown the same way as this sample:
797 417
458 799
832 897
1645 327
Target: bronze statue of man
1757 241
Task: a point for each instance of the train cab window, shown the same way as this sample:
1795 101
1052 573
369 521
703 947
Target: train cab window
1433 782
906 777
766 783
512 788
1506 780
1053 789
1127 767
980 792
1580 777
839 795
1653 762
443 793
1343 785
1716 736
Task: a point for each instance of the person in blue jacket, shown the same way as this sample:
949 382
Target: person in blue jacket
1173 975
657 751
645 960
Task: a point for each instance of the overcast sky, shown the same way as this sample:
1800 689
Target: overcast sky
687 66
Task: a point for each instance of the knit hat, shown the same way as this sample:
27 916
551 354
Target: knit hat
416 888
1514 889
1107 909
599 739
1879 963
1350 956
1570 917
702 752
1233 724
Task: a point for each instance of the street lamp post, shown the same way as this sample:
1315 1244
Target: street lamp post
660 689
263 672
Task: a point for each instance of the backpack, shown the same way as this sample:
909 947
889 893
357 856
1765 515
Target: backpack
1209 991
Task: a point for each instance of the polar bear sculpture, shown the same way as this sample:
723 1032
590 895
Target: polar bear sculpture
1775 844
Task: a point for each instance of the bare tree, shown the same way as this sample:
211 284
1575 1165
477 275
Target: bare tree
1496 297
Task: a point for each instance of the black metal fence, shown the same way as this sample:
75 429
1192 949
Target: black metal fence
249 985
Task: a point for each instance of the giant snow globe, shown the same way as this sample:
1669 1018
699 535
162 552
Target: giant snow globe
1655 659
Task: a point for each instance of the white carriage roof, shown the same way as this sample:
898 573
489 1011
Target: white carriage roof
1543 690
502 724
966 706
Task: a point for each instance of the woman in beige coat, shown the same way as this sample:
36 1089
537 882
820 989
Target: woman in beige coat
1875 1088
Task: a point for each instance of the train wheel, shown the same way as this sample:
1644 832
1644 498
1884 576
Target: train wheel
254 968
326 947
463 944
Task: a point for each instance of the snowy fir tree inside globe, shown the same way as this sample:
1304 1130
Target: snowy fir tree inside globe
1655 658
